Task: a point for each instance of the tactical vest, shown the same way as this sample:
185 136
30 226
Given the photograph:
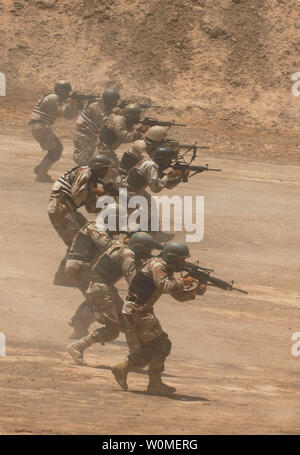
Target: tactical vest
109 270
83 248
128 161
108 136
135 180
141 286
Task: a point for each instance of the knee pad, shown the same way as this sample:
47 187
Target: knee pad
54 154
163 345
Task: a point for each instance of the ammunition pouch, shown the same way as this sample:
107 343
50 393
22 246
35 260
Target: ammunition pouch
136 182
128 161
83 248
108 269
141 287
108 136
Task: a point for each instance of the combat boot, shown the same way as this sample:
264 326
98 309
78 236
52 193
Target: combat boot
157 387
120 372
78 332
77 348
42 169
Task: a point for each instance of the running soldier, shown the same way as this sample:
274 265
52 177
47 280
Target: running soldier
74 189
154 278
117 261
44 114
89 124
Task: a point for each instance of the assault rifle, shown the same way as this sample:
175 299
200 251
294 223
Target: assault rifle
124 103
192 146
182 167
150 121
203 276
149 106
180 164
82 97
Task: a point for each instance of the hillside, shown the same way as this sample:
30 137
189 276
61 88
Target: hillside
225 63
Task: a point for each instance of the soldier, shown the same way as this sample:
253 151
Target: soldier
154 278
117 261
119 129
150 172
89 124
153 138
44 114
74 189
89 243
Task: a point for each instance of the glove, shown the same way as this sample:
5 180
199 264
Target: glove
99 191
202 289
189 281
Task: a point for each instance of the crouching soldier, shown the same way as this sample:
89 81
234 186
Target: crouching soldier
88 244
74 189
154 278
117 261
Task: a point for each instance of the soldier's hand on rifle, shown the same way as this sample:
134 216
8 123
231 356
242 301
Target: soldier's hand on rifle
202 289
142 128
99 191
174 174
189 281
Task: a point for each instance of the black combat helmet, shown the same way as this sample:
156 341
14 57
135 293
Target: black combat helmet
162 153
99 162
141 242
62 87
110 96
174 250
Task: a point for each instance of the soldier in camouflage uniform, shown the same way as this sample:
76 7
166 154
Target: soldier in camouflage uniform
154 137
154 278
117 261
149 172
119 129
89 124
74 189
44 114
89 243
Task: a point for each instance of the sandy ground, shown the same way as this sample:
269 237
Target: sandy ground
231 360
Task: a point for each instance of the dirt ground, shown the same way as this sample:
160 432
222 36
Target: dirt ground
231 360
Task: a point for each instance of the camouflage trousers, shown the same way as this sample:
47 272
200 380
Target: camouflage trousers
80 274
107 306
47 140
66 222
84 148
154 344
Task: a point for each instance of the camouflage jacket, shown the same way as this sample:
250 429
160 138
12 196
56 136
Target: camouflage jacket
91 119
117 124
161 280
89 243
74 188
153 177
51 106
121 260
